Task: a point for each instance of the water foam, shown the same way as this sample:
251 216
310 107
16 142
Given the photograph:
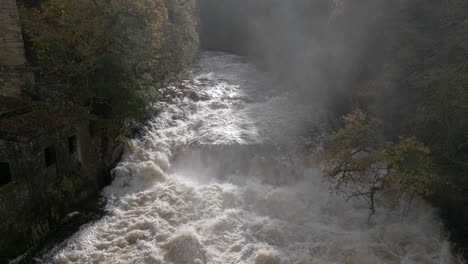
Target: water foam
160 214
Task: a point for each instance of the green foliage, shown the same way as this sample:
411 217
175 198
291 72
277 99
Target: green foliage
116 52
361 163
410 170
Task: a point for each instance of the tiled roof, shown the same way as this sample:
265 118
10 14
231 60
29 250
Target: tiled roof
30 123
11 105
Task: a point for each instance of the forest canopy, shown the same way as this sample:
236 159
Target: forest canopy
115 53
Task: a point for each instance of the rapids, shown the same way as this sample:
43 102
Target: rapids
210 181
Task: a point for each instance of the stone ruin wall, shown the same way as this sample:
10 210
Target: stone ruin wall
15 76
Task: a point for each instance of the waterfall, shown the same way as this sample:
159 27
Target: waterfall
218 180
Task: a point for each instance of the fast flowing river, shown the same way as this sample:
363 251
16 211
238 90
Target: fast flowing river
212 181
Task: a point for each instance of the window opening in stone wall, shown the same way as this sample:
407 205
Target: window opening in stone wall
50 156
50 161
5 173
72 145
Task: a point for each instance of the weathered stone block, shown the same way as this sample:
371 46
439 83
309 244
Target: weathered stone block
14 76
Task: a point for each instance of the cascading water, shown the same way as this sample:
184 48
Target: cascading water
231 196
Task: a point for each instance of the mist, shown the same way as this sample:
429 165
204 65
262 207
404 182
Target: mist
320 48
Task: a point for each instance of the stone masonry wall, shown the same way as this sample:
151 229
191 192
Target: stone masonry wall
14 75
35 200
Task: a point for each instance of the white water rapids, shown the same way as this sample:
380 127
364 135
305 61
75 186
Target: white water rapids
202 186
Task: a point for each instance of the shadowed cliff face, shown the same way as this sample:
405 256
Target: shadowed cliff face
318 47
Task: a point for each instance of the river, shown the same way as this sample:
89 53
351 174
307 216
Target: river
214 180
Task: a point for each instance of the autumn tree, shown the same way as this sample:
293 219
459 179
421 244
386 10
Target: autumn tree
118 53
361 163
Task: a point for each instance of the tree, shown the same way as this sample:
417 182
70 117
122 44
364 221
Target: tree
361 163
118 53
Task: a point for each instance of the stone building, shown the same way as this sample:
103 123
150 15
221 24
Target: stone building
49 162
50 159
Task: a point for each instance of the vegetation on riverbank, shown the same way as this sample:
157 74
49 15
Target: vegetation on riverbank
109 56
363 164
415 81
